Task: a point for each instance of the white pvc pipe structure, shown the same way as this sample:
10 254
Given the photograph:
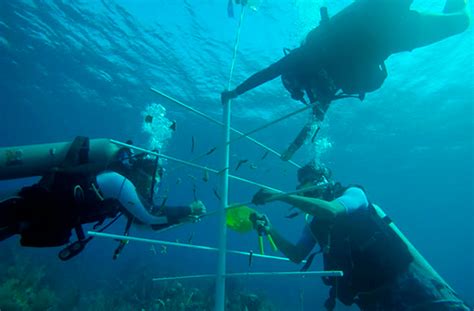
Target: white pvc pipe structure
276 197
174 100
168 243
221 271
191 164
244 135
221 260
247 134
222 227
253 274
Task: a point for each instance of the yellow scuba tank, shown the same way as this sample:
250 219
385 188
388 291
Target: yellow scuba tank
38 160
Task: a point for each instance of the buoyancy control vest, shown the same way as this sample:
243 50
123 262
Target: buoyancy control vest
50 213
66 197
365 248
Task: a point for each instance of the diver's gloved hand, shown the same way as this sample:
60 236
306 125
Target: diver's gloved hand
263 196
228 95
261 223
197 208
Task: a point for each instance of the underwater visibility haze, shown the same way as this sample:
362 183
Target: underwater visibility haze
85 68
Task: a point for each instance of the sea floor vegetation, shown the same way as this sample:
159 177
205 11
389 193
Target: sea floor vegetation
26 285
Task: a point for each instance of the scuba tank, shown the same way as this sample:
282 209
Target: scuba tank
41 159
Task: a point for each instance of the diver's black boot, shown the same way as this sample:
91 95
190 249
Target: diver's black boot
453 6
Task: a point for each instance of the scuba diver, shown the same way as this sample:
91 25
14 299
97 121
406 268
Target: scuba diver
86 181
344 56
381 268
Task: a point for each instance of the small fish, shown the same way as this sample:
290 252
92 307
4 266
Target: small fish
292 215
173 125
149 119
264 155
221 171
178 181
192 177
216 194
153 250
240 163
192 144
253 166
190 239
250 258
211 151
205 178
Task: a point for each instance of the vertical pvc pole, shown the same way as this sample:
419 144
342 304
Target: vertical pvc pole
221 265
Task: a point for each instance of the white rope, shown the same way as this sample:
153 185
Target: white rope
236 46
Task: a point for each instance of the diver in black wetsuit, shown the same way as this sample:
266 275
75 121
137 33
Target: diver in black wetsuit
344 55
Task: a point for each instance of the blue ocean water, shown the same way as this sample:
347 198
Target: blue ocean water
86 68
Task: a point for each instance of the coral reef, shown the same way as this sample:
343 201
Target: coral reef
23 288
244 300
26 285
174 296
